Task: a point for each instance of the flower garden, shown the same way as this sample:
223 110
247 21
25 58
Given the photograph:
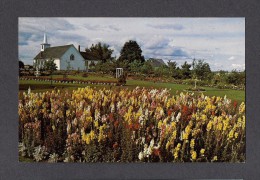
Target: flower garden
123 125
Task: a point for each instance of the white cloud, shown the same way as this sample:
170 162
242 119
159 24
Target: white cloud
238 66
231 58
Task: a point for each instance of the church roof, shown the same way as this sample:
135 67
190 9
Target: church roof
89 56
53 52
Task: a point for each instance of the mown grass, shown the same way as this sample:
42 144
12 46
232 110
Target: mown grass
40 86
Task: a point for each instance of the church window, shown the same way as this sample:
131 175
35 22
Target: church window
72 57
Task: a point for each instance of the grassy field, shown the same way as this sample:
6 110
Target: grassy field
39 86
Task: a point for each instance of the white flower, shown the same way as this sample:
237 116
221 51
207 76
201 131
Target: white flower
75 122
68 128
149 151
141 156
112 108
157 147
29 90
53 158
178 117
39 153
152 143
143 140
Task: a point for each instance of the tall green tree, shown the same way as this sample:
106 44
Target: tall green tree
201 70
100 51
173 71
50 66
185 70
131 52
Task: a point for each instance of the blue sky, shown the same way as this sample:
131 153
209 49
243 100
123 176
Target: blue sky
219 41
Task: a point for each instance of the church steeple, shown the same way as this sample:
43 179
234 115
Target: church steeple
45 39
45 44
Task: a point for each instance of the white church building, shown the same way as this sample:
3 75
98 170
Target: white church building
63 56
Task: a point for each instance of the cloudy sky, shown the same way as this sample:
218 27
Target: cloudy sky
219 41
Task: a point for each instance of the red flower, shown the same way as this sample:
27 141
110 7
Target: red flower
136 126
116 123
184 109
235 104
111 117
170 112
115 145
156 152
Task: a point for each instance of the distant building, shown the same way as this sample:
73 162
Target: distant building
156 62
90 59
62 56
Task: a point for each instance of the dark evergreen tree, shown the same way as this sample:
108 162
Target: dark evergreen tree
131 52
185 69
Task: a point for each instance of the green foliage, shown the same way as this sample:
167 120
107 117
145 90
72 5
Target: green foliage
92 65
236 78
135 66
201 70
100 51
162 71
122 79
147 68
185 70
49 65
107 67
174 72
131 52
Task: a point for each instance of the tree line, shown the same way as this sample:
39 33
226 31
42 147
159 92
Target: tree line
134 63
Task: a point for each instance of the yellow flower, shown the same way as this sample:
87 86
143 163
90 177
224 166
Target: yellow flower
231 134
236 135
202 151
92 135
175 155
167 145
89 119
96 124
179 146
209 126
160 124
204 117
194 155
192 144
219 126
215 158
242 108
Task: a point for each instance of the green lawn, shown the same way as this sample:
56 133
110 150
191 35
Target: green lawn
39 86
237 95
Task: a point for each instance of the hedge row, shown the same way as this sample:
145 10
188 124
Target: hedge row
73 81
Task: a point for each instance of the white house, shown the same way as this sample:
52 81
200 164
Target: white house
90 59
63 56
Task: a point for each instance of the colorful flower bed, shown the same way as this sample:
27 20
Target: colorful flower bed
140 125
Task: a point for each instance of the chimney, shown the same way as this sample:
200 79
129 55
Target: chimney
79 48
